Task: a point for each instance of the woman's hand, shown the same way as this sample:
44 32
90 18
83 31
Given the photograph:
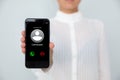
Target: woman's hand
23 45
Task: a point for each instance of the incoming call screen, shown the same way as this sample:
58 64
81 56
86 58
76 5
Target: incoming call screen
37 40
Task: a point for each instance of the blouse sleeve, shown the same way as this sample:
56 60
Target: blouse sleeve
104 68
40 75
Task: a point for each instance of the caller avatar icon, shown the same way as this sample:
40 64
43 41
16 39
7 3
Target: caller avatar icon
37 35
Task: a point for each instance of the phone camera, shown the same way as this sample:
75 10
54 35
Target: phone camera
46 22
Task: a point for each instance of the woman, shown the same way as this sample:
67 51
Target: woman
80 51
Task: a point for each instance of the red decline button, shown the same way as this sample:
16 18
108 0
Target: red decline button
42 53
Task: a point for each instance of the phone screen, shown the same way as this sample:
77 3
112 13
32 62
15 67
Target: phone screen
37 43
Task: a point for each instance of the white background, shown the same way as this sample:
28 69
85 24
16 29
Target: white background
14 12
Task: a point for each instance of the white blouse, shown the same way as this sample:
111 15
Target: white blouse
80 51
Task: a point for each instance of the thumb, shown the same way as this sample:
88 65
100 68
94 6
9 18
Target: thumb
51 45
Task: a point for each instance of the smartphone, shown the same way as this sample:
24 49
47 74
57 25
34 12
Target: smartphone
37 34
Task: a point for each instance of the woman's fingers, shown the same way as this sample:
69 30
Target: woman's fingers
23 45
23 33
23 39
23 50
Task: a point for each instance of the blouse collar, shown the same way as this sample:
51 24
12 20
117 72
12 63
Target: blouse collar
68 18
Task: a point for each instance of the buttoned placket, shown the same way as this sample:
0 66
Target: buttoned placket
74 51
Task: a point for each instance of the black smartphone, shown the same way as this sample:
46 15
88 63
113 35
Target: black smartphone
37 38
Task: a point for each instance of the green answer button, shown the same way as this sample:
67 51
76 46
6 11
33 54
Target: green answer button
32 53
